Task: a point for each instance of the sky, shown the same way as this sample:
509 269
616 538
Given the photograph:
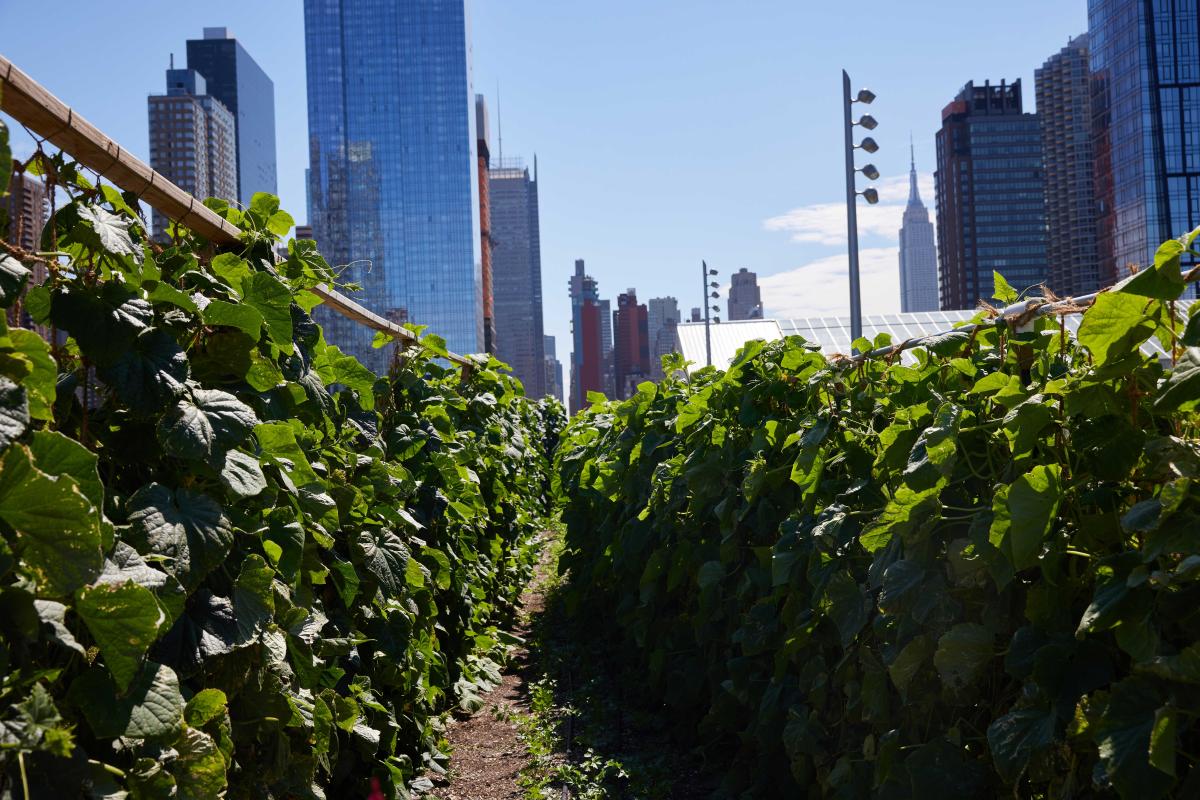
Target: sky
666 131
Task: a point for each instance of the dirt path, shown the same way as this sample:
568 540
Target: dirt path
487 755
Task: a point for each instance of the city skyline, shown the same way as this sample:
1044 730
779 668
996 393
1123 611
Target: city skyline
778 209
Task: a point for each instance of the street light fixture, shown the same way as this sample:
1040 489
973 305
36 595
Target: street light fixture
867 145
705 274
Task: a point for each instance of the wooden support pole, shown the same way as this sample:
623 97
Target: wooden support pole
31 104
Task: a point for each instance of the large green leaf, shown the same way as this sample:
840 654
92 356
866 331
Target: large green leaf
56 454
151 708
1116 324
253 597
14 412
1123 735
240 474
1023 513
40 383
244 317
204 423
58 531
1181 391
1162 281
906 510
107 231
187 528
124 620
13 276
273 300
150 374
104 321
962 654
385 556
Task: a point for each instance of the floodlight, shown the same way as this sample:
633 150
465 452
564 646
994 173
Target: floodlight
865 96
870 195
870 171
868 122
869 145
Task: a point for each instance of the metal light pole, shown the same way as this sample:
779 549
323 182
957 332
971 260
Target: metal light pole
705 274
864 96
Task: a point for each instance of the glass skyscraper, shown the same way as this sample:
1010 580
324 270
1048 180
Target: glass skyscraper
1145 65
393 177
991 211
517 273
234 78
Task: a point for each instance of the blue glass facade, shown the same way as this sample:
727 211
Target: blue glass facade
1145 65
234 78
393 181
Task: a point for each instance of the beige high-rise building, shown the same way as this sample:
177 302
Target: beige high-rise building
193 141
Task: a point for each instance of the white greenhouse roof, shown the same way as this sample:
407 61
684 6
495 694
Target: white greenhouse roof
832 334
727 339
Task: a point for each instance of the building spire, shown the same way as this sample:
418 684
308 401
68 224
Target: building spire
914 197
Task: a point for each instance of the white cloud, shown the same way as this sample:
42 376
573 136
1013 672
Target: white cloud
822 287
825 223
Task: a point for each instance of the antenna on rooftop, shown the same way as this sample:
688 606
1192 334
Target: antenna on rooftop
499 126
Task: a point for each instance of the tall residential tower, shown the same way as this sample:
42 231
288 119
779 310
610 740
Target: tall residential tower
918 254
745 298
193 141
1064 104
991 211
393 168
517 273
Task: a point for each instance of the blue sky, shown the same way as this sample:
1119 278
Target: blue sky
666 131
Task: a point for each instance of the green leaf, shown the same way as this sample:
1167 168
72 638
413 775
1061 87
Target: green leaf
1023 513
104 323
904 512
253 597
109 232
1123 734
386 557
152 708
273 300
204 707
1163 281
199 768
962 654
232 270
58 529
188 528
205 423
279 446
150 374
1181 391
909 662
711 573
13 276
1162 740
244 317
56 454
1002 290
53 615
848 606
40 383
1116 324
124 620
241 474
14 412
948 343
